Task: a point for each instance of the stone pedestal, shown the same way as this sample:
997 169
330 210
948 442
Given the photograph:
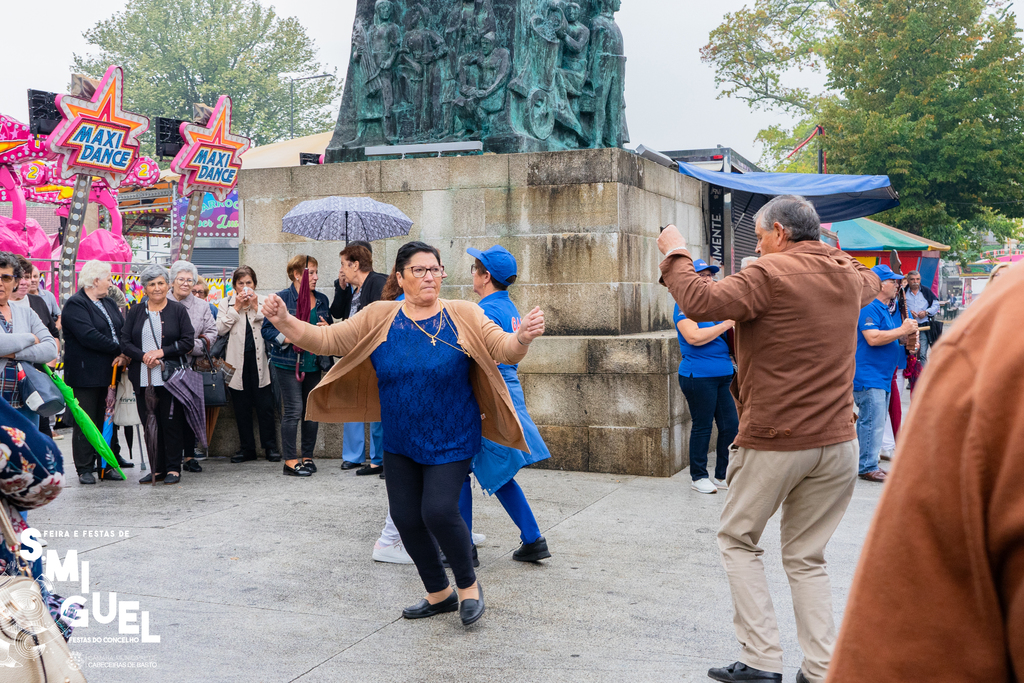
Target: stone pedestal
583 226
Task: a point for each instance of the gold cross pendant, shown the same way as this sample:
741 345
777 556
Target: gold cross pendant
433 342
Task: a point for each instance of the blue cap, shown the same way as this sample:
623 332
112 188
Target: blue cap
499 263
701 264
885 273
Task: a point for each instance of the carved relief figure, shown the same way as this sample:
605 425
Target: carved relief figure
374 49
468 21
607 74
574 54
419 72
482 89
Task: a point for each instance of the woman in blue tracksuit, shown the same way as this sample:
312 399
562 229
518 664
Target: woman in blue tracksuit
496 465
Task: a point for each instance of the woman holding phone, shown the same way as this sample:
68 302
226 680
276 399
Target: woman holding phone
240 317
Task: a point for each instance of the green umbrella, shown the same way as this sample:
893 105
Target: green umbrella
92 434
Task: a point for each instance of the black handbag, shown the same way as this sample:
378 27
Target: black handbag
215 391
220 347
38 391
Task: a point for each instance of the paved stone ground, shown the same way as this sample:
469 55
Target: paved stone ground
251 576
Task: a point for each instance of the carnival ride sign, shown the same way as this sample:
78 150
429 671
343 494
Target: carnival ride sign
211 158
97 137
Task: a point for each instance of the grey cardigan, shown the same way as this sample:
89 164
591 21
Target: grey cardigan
20 342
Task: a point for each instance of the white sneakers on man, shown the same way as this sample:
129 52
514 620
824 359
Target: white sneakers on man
704 486
720 483
478 538
394 553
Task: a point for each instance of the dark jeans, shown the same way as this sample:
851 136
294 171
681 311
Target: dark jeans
709 399
93 400
424 500
293 396
253 396
171 430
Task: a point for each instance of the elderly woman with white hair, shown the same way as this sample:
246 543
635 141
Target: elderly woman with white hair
183 276
92 346
158 331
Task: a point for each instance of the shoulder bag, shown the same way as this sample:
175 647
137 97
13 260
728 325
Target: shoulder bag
214 385
34 645
38 391
126 407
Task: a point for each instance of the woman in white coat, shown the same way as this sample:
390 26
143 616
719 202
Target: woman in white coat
240 316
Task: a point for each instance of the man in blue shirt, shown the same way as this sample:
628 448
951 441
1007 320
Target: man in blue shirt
878 350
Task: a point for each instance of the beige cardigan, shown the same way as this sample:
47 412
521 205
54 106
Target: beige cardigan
227 316
348 393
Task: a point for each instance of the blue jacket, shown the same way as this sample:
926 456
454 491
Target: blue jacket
283 354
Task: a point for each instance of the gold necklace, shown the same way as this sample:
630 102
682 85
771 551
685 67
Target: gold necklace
434 338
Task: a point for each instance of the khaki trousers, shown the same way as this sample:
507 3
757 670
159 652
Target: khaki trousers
813 487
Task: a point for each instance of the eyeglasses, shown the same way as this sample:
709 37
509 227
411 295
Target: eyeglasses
7 278
180 281
473 269
420 272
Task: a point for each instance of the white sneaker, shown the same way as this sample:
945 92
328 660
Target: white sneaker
478 538
394 553
885 455
703 486
720 483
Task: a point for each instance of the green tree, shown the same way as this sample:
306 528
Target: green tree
928 92
178 53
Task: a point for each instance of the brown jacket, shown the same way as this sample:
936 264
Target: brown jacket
348 393
939 591
796 337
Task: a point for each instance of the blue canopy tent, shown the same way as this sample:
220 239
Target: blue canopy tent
836 197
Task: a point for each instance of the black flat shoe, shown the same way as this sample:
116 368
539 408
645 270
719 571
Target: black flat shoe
124 464
472 610
309 465
476 560
86 478
532 552
370 469
148 479
192 466
111 474
243 457
348 465
298 471
738 671
273 456
423 609
172 479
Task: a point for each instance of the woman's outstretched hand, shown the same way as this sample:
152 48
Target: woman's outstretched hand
531 327
275 311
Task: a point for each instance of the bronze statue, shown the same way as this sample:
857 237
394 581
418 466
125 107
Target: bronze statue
482 79
374 50
607 69
419 70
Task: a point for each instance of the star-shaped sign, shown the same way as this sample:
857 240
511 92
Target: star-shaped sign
212 155
97 136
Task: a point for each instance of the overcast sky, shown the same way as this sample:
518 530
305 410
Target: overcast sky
670 94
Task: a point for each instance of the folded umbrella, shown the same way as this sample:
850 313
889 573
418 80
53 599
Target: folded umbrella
89 430
108 415
187 386
302 310
152 429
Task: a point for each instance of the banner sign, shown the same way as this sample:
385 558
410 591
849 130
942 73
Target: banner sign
217 219
211 158
716 205
97 137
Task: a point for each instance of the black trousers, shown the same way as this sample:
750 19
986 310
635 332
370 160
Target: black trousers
424 500
93 401
171 430
253 396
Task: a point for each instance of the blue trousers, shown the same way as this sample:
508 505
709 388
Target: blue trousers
872 407
513 499
353 445
709 399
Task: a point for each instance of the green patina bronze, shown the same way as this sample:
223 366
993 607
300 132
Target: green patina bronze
518 75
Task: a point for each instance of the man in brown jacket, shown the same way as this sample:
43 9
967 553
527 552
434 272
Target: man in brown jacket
796 310
938 592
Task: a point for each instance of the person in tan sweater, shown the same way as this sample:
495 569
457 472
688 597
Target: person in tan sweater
938 591
796 311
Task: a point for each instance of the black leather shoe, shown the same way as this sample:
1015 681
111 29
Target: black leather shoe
273 456
297 471
476 560
109 473
123 464
348 465
172 479
532 552
472 610
309 465
148 479
243 457
370 469
192 466
800 678
423 609
738 671
86 478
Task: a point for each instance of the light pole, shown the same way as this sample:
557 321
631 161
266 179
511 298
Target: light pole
292 84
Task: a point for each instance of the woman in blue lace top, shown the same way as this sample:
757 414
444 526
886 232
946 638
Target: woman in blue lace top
426 368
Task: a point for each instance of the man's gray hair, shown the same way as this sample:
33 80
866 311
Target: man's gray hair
914 272
180 266
92 271
797 215
153 272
